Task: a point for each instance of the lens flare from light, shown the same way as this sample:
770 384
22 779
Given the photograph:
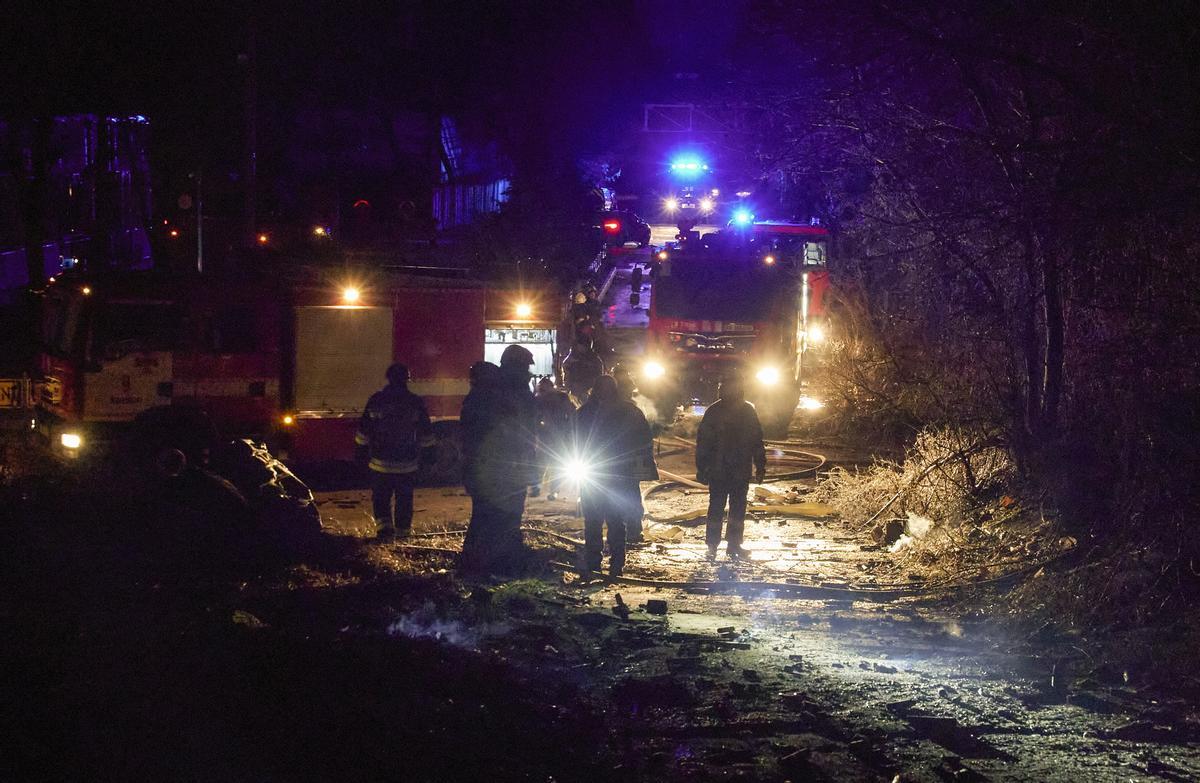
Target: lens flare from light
524 310
769 260
653 370
71 440
264 239
351 295
706 205
810 404
288 419
671 204
577 471
662 255
742 217
768 376
816 334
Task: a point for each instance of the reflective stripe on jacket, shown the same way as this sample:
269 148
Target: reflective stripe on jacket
394 427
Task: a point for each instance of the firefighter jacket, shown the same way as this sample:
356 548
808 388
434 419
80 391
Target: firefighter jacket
729 443
615 439
555 411
499 427
394 428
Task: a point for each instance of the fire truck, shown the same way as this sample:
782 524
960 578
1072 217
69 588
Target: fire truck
749 299
290 358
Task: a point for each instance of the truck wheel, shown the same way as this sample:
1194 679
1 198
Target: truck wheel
446 465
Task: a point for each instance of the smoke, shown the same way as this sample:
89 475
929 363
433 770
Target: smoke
423 624
647 407
916 527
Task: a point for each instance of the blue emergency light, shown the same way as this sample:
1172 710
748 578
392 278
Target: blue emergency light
742 217
688 167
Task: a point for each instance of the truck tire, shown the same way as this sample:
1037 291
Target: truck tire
446 465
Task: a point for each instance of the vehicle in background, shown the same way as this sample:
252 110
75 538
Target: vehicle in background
624 227
752 301
289 359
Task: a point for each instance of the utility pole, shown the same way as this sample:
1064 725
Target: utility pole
251 108
200 222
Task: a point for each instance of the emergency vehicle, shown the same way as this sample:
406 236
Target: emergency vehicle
290 358
749 299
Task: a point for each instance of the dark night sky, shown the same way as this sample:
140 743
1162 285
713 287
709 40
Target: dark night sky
562 77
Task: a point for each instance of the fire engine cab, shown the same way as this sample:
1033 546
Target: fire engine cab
749 299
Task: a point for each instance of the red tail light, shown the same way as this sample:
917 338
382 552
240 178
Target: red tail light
612 226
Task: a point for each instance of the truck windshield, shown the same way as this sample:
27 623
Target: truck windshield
125 327
719 290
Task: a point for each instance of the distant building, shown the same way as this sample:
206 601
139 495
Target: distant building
74 191
471 180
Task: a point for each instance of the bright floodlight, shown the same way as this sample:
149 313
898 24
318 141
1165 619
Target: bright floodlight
71 440
816 334
350 294
671 205
653 370
320 231
577 471
662 255
768 260
768 376
811 404
706 204
524 310
742 217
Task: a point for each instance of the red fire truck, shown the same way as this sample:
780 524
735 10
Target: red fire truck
291 358
751 300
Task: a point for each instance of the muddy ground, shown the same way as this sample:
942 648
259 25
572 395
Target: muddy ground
134 652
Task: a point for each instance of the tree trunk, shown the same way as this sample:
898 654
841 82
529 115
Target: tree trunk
1031 346
1053 312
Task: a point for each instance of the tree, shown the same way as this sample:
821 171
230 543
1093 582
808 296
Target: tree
1015 192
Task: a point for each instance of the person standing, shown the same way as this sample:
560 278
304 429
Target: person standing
729 450
554 411
613 437
393 431
646 470
499 422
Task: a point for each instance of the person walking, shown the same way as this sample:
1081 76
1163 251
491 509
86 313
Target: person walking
614 438
499 423
554 412
393 431
729 450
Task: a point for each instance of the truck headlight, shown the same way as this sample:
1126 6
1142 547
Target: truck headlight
71 440
671 205
706 205
768 376
653 370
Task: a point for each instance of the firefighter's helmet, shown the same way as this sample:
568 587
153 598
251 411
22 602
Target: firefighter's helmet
517 356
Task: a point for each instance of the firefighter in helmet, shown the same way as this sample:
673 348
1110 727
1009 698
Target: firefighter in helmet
499 422
729 451
393 432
